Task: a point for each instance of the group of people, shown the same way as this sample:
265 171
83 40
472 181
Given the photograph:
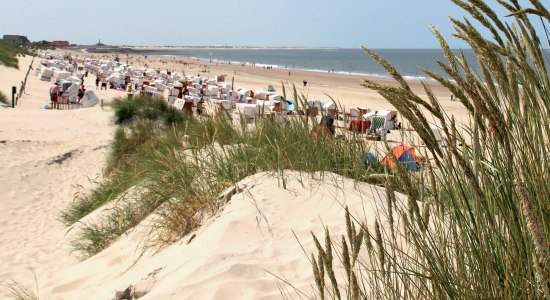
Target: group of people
56 92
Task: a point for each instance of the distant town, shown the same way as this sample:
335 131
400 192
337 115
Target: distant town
23 40
100 47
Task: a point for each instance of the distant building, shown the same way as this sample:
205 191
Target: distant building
45 43
60 44
17 39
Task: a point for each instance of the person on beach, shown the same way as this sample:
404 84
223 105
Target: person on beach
325 128
54 93
81 92
329 123
305 83
97 82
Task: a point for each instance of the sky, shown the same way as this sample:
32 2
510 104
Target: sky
402 24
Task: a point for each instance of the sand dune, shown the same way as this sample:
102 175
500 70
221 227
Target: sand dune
237 254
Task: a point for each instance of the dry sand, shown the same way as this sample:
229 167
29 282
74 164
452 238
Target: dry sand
46 154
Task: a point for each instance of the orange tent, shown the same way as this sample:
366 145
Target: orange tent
405 156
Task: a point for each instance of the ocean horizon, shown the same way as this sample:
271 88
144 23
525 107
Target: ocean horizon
337 60
409 62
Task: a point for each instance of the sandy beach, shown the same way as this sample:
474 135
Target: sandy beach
47 156
345 89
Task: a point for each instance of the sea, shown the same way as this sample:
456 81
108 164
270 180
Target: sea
344 61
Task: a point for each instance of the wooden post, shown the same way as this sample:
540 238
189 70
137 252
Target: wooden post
233 83
13 92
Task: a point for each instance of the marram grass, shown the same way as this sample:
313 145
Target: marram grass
182 167
483 230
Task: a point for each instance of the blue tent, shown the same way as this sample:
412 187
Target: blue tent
407 161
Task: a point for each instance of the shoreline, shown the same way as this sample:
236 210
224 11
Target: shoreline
204 57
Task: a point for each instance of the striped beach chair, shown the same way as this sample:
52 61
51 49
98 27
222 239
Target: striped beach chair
377 123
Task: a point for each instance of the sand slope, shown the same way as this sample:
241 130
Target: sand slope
237 254
44 155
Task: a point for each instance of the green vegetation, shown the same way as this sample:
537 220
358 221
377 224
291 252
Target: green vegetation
482 229
166 163
9 53
145 108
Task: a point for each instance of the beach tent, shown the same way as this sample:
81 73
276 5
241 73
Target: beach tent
405 157
90 99
270 88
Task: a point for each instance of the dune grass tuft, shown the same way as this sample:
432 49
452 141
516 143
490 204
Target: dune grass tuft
482 231
15 290
182 165
9 53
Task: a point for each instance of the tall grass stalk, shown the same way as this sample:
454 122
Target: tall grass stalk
487 234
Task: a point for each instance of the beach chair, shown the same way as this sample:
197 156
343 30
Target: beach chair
63 102
179 103
376 124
